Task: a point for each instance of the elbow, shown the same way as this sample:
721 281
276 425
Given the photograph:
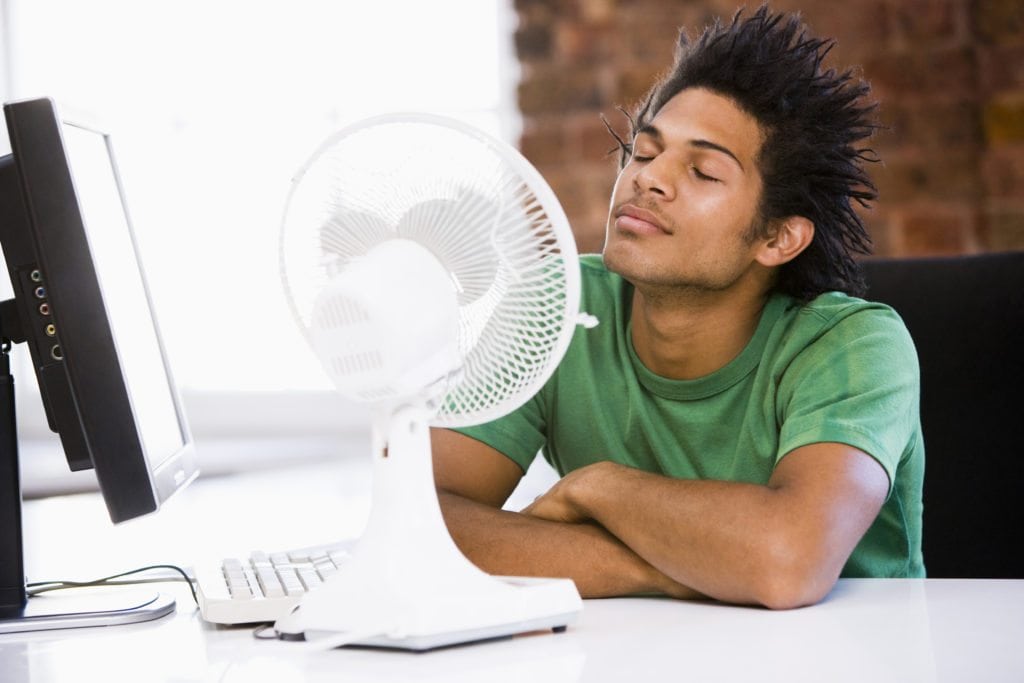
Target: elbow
790 594
790 577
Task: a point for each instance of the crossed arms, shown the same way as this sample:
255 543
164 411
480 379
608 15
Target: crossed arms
616 530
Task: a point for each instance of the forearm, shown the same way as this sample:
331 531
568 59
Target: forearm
782 544
513 544
720 537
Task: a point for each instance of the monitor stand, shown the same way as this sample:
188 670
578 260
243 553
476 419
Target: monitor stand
48 613
18 611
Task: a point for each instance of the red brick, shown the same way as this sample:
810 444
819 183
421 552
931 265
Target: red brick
998 21
1001 68
650 34
931 231
1004 119
533 41
570 192
552 89
880 228
584 45
950 174
634 81
929 125
1004 230
945 73
597 11
1003 172
859 28
639 15
595 143
930 22
537 10
544 144
584 192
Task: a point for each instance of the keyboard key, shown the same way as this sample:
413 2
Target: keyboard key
259 559
240 592
290 581
254 584
310 579
269 582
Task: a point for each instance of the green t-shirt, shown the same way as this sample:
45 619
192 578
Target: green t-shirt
836 369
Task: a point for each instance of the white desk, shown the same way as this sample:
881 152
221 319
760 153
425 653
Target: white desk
866 630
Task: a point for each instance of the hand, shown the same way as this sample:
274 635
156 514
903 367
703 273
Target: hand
565 501
554 506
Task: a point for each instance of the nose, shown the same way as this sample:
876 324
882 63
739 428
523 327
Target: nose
654 178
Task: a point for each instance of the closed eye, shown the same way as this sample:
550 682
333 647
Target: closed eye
637 155
703 176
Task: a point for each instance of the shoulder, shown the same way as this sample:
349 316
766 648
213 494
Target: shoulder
838 333
836 317
832 307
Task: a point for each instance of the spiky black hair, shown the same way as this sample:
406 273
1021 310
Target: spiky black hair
813 120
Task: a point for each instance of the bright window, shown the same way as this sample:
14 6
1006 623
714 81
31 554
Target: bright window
212 106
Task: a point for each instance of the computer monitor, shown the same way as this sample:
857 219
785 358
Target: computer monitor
82 307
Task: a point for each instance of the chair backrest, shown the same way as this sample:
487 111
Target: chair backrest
966 316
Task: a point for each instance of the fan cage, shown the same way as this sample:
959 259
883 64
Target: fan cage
481 209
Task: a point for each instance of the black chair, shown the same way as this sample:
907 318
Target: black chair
966 316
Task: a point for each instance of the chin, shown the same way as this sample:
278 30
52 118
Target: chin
624 259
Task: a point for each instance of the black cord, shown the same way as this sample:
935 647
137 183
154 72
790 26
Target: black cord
47 586
258 633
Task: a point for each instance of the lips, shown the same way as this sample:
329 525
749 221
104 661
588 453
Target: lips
632 218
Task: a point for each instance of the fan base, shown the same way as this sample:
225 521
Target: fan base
518 605
407 585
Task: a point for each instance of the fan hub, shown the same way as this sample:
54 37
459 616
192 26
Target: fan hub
386 326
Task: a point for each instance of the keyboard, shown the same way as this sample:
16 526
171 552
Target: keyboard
266 585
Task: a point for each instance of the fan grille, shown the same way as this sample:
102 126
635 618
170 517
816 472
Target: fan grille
480 209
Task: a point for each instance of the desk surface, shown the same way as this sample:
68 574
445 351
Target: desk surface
877 630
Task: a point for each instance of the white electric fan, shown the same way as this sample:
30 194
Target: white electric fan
434 273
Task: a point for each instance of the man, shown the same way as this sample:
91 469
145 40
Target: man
739 426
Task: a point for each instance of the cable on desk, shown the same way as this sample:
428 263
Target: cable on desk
39 587
260 632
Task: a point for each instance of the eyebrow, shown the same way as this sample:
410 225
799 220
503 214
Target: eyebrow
652 130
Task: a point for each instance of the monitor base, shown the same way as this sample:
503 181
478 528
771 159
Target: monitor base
103 608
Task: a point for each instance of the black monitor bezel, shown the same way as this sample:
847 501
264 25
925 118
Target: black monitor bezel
86 397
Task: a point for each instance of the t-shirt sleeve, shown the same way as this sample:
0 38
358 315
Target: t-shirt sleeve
519 435
857 384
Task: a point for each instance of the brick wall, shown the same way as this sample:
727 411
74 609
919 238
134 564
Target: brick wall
949 75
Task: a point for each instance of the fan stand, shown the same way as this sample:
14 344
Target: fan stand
407 585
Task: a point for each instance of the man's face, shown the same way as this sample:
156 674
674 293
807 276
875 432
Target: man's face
684 204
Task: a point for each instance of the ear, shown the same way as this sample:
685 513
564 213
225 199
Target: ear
789 237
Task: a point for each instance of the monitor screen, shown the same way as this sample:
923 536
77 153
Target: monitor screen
85 311
124 294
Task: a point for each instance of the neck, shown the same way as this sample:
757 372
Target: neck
690 334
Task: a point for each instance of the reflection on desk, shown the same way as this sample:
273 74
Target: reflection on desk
866 630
